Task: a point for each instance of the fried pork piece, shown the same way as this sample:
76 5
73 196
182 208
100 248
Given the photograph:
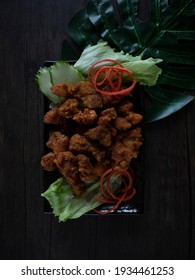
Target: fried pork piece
133 140
126 146
122 124
92 101
57 142
86 170
67 164
120 152
101 134
62 89
52 117
84 88
134 118
47 162
125 107
113 130
81 144
109 100
78 190
87 117
123 164
69 108
107 116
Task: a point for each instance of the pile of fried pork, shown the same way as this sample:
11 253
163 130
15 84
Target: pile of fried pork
90 133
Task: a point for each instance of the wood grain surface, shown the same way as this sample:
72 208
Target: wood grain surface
31 32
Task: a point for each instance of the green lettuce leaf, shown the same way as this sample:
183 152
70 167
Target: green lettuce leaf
145 71
66 206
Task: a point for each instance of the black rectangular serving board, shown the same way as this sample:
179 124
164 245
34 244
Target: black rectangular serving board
135 206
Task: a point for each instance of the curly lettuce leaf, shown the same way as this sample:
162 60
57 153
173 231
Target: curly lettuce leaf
145 71
66 206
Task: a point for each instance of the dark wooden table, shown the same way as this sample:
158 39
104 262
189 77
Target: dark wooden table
32 32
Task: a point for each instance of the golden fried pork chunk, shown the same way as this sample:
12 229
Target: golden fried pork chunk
58 142
86 169
69 108
101 134
52 117
126 147
87 95
67 164
122 124
124 107
81 144
84 88
134 118
86 116
106 116
47 162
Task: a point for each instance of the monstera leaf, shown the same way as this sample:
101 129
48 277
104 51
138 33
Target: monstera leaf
158 28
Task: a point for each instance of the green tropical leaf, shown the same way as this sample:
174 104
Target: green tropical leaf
165 103
167 32
81 27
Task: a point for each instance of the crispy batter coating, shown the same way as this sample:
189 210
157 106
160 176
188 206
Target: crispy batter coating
99 168
57 142
101 134
134 118
84 88
126 146
47 162
81 144
86 169
92 101
122 124
93 132
125 107
106 116
69 108
52 117
67 164
109 100
133 140
87 117
62 90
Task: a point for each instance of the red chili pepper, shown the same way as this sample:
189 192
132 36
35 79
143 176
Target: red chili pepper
126 192
112 76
